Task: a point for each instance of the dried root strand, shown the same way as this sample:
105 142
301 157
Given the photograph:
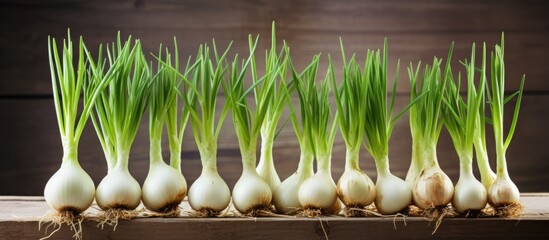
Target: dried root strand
475 214
437 214
293 212
112 215
354 211
413 211
206 213
166 213
508 210
267 211
310 212
71 217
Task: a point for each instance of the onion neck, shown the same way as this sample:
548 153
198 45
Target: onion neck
155 153
305 163
429 156
482 160
248 160
175 152
501 162
324 163
70 151
352 158
122 159
417 162
382 166
266 157
465 163
208 156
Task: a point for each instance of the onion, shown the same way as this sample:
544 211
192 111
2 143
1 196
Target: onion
355 188
285 197
251 193
503 192
209 192
70 188
503 195
469 194
164 188
118 190
393 194
318 192
433 188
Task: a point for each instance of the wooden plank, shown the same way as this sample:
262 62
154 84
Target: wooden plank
31 149
19 217
416 31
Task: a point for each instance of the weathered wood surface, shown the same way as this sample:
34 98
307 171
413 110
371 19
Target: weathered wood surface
19 218
30 150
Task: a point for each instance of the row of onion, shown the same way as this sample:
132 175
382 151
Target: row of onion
116 90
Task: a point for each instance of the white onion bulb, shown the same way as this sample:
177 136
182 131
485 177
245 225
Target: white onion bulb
503 192
392 194
355 188
469 194
164 188
251 192
318 191
209 192
70 188
433 188
118 190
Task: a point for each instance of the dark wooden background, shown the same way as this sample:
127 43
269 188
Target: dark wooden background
30 149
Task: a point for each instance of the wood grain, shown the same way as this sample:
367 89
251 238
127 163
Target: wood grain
30 150
417 31
19 217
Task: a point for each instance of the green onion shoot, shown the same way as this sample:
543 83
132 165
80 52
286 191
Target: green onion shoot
432 188
117 115
460 118
285 197
393 194
355 189
503 195
276 98
209 195
70 191
317 194
251 194
165 186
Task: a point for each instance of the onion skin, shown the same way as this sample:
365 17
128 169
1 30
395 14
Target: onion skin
318 191
266 168
285 196
503 192
70 188
164 188
355 188
269 175
251 192
469 195
209 192
392 194
433 188
118 190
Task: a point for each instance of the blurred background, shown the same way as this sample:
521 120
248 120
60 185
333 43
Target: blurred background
30 147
